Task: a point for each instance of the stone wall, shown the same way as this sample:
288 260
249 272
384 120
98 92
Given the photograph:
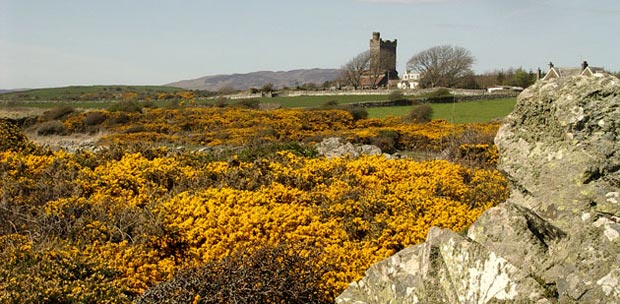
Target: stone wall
413 101
462 94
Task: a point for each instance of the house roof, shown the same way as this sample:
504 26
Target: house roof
567 72
366 80
570 71
596 69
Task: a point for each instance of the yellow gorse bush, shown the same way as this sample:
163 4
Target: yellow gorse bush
11 137
359 210
106 226
235 126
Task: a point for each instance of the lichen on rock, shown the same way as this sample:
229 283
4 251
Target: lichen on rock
556 239
336 147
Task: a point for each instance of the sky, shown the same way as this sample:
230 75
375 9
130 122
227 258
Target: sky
46 43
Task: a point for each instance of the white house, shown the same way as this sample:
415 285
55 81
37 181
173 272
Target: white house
409 81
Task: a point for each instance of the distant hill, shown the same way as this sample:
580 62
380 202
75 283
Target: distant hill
12 90
258 79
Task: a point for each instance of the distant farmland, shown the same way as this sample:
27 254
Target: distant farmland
460 112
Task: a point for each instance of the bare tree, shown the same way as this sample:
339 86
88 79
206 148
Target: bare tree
358 71
354 69
442 65
374 74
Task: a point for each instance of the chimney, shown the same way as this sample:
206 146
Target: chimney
550 65
540 75
584 65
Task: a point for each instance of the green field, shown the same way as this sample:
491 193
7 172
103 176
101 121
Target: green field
317 101
460 112
75 92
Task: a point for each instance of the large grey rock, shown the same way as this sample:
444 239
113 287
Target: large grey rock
447 268
556 239
560 147
335 147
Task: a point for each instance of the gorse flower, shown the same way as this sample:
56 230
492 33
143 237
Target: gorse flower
11 137
237 126
107 226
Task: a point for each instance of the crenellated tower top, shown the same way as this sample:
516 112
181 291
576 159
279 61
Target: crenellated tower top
383 54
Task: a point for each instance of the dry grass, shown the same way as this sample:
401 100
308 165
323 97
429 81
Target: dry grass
20 112
70 142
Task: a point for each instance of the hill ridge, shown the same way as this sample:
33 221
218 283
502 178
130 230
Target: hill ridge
243 81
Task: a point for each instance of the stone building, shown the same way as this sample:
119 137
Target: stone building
382 62
383 55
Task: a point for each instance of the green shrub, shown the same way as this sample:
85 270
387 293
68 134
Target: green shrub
119 118
58 112
94 118
221 102
270 274
420 114
330 104
472 149
52 128
126 106
248 103
135 129
396 95
387 141
358 112
439 93
150 105
174 104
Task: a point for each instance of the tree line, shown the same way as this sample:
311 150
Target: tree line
439 66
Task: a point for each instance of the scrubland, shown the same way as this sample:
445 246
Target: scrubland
226 205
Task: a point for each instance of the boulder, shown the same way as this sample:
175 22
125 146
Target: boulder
556 239
335 147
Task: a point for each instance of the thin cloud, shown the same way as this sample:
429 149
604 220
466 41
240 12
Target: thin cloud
604 12
457 26
403 1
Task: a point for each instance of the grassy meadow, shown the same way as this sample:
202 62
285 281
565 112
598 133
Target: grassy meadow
460 112
317 101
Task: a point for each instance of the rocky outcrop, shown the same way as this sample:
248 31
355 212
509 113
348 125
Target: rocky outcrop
556 239
335 147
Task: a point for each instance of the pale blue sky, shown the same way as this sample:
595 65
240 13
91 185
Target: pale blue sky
47 43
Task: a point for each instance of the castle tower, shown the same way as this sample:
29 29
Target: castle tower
383 56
